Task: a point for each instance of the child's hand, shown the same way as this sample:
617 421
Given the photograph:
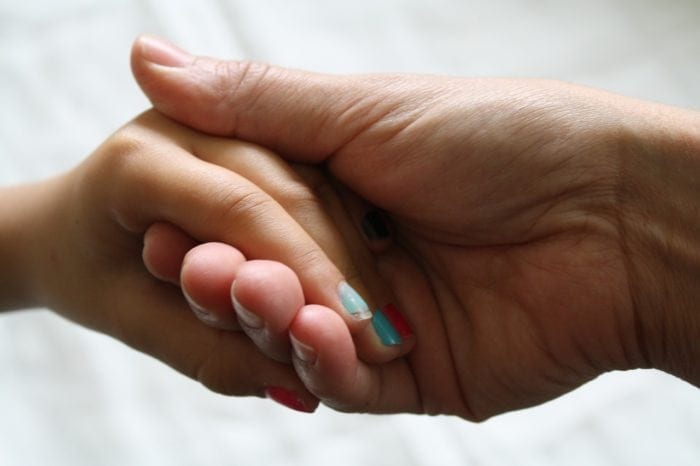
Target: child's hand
75 246
207 272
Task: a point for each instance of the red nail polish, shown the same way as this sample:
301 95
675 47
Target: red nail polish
287 398
397 320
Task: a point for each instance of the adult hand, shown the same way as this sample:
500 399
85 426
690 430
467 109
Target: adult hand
529 257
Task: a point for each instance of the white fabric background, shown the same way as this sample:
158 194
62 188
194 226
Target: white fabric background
69 396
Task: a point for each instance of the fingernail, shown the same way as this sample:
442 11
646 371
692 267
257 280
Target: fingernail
353 302
287 398
397 320
163 53
385 331
202 314
303 351
247 318
374 225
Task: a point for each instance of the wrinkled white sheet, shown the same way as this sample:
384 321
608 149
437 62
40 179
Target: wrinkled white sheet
71 397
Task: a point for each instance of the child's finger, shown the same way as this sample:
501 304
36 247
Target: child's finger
212 203
267 295
300 197
203 272
326 360
206 276
390 336
164 248
307 195
225 362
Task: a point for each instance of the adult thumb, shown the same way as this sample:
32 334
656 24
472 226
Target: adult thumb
307 116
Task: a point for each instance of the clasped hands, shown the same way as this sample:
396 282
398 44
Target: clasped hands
383 243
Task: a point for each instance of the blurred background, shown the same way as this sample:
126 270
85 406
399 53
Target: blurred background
69 396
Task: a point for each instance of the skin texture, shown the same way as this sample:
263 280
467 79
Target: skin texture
525 259
78 243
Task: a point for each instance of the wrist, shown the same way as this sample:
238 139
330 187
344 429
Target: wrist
659 202
24 211
16 228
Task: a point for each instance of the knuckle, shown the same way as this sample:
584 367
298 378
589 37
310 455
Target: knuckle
119 174
307 204
122 152
239 82
111 167
301 200
243 205
313 261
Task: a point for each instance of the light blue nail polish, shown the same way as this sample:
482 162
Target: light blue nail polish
386 332
353 302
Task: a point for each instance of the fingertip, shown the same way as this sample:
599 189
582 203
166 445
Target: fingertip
164 249
271 290
266 296
320 327
138 64
206 276
326 361
148 48
324 352
164 71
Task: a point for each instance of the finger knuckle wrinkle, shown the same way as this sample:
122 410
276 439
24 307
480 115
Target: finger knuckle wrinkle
312 260
239 82
301 199
244 205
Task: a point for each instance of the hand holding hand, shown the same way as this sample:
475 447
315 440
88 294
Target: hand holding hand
521 258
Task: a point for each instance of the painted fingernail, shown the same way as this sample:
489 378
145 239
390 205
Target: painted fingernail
398 321
163 53
353 302
287 398
247 318
374 225
303 351
202 314
385 330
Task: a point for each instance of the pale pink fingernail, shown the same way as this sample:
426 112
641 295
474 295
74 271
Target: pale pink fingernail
163 53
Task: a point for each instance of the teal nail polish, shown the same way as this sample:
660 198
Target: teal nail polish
353 302
386 332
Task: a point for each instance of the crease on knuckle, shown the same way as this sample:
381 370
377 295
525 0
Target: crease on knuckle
238 84
242 207
313 261
301 201
305 203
